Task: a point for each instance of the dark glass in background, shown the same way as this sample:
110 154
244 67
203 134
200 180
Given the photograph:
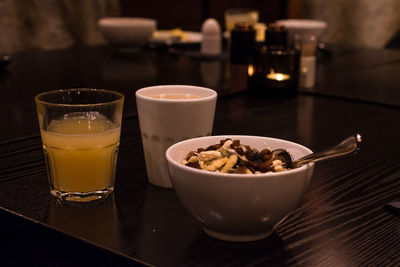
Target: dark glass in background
241 48
276 66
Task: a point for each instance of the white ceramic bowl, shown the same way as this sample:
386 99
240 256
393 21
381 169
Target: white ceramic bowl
303 28
238 207
127 31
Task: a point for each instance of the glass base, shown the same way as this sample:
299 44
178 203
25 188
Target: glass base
82 197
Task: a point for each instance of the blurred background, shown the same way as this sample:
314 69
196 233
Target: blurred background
58 24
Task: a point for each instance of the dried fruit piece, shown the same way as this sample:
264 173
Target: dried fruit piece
189 155
193 165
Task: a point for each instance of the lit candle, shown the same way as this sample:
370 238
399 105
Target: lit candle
250 70
278 76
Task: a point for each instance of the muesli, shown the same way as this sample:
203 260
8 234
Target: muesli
230 156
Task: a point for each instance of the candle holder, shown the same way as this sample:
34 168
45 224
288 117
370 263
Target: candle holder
276 68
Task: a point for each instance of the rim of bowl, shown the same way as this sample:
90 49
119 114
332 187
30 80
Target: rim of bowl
139 93
303 23
236 175
126 21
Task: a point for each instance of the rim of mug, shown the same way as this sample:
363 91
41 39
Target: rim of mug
213 94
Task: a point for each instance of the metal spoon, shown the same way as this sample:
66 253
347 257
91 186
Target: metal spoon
347 146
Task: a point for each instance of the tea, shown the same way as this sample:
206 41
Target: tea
176 96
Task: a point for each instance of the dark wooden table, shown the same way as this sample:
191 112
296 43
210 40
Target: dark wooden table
340 222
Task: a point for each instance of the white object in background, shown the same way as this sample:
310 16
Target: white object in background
303 27
211 43
127 31
307 61
307 72
260 28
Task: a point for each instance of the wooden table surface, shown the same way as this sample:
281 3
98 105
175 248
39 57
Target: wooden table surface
340 222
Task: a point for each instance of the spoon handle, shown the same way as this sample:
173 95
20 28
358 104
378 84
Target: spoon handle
347 146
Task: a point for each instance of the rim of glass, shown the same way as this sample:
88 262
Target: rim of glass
38 100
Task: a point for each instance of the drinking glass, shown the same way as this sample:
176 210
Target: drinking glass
80 130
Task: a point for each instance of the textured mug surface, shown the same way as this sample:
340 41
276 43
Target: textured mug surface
164 122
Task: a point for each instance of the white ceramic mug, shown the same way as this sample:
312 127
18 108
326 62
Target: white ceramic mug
169 114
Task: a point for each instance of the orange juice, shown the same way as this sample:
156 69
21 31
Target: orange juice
81 153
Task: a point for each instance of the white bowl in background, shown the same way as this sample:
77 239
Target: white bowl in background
127 31
301 26
238 207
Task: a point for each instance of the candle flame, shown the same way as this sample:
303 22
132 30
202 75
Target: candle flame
250 70
277 76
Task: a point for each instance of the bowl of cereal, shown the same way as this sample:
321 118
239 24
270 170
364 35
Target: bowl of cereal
235 185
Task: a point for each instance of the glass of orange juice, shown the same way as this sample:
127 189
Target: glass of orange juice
80 130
